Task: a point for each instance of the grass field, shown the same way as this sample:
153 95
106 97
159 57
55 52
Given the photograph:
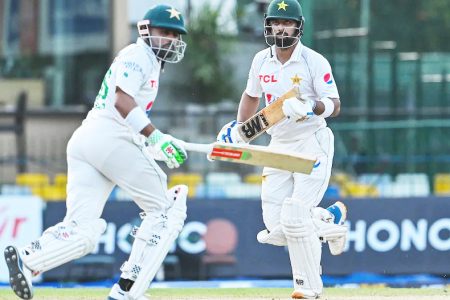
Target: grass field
368 293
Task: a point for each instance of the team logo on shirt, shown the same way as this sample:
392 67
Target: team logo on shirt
149 105
296 80
267 78
327 78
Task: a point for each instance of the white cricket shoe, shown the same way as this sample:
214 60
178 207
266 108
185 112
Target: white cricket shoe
117 293
19 275
304 294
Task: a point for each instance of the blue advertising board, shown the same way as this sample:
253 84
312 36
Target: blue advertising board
386 236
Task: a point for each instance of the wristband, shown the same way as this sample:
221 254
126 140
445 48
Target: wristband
329 107
137 119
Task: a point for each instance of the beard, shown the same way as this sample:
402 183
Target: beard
166 51
284 41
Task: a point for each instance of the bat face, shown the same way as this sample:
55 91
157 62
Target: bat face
266 117
254 126
222 153
261 156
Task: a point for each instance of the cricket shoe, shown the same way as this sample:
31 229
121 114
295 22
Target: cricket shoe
19 275
339 212
117 293
304 294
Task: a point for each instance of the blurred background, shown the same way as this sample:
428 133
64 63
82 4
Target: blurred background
391 62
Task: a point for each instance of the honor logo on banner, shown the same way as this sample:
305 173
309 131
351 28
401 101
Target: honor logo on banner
385 235
195 238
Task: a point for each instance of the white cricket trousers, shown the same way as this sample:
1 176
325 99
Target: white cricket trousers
101 154
278 185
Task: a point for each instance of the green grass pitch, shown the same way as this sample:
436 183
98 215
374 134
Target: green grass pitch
366 293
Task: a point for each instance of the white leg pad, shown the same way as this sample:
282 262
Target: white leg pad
303 244
154 239
62 243
275 237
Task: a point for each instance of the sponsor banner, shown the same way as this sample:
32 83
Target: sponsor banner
388 236
20 223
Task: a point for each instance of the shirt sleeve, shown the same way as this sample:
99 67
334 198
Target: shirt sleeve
131 74
324 83
254 88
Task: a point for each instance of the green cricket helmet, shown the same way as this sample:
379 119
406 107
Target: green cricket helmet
164 17
283 10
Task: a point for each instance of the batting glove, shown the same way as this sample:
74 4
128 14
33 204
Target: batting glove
229 133
299 110
167 148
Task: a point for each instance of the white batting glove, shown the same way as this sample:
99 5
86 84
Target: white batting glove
299 110
229 133
166 148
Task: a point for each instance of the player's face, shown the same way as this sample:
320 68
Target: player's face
281 32
162 37
282 28
167 44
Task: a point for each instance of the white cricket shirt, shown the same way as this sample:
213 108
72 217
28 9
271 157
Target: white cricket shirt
136 71
267 75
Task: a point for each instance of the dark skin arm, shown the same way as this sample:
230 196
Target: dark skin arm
248 106
124 104
320 107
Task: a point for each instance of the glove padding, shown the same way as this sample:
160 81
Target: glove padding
229 133
166 148
298 110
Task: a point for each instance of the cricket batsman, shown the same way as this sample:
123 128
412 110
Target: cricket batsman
290 200
117 144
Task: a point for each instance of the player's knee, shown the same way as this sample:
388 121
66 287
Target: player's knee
296 220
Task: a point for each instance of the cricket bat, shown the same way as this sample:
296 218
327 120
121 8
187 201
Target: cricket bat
256 156
266 117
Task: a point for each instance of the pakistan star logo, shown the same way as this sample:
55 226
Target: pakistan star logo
282 5
174 13
296 80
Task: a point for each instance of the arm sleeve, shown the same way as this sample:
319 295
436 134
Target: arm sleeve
131 74
324 83
254 88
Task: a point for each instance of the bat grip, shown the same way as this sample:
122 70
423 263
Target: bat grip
203 148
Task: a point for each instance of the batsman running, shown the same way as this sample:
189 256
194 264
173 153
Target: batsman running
117 144
290 200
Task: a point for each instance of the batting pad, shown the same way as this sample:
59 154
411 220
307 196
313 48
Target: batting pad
153 241
62 243
304 246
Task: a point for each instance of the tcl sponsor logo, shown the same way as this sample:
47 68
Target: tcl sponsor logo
267 78
385 235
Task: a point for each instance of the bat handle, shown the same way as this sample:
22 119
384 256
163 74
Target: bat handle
203 148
